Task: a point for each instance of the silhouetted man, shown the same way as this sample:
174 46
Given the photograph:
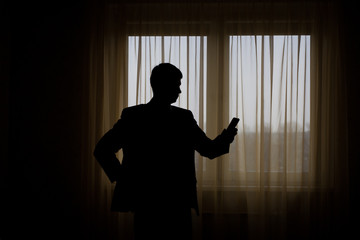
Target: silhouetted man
156 179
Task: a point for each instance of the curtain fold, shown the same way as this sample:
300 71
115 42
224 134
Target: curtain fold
276 66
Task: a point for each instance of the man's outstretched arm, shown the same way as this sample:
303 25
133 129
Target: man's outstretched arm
213 148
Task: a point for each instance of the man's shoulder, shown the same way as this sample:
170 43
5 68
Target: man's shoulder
141 109
182 111
133 110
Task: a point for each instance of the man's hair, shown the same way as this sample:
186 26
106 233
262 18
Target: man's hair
162 73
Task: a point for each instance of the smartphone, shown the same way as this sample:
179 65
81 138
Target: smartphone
233 123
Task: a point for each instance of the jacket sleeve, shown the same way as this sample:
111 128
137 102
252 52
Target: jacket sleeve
106 148
207 147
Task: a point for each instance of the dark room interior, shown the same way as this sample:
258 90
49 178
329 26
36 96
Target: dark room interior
45 69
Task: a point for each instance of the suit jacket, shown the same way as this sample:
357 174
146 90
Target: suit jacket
158 166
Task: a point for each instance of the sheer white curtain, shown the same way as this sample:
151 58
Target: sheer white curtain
276 66
188 53
270 92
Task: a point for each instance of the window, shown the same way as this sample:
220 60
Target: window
186 52
269 90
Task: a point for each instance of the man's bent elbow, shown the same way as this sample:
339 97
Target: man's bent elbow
98 152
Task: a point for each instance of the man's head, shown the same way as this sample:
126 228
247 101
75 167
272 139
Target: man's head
165 82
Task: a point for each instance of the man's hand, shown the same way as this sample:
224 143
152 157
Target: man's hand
229 134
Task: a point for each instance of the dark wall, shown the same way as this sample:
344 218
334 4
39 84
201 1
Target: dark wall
46 53
351 54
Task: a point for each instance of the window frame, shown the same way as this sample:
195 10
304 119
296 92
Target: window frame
218 34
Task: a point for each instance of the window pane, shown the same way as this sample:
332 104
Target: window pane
270 93
186 52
